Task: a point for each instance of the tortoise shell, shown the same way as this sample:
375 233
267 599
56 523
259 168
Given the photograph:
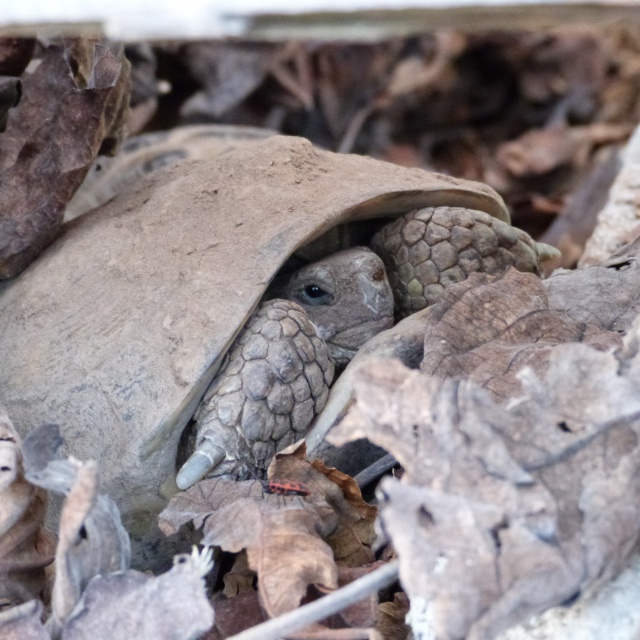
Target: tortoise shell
117 330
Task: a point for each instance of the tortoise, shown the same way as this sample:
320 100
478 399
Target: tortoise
119 328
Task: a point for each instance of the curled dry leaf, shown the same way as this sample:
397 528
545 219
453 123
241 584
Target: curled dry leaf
72 106
488 328
25 547
504 512
541 151
352 540
92 540
124 605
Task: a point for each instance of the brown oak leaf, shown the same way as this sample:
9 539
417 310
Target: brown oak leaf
283 535
489 327
72 105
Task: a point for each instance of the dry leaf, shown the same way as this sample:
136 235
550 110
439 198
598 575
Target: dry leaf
361 614
238 515
93 595
72 105
391 618
540 151
488 328
571 61
236 614
131 604
92 540
25 547
352 540
15 54
284 535
602 297
501 512
240 578
228 71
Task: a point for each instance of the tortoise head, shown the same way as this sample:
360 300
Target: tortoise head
347 297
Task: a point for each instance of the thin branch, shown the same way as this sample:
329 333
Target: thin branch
320 609
375 470
356 124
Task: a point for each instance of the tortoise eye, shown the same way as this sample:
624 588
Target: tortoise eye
314 291
315 295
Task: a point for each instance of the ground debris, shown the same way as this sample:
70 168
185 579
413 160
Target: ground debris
500 513
93 592
317 519
72 106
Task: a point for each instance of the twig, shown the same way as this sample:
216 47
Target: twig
375 470
320 609
357 122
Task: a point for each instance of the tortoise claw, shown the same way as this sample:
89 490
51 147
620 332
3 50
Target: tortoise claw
547 252
205 458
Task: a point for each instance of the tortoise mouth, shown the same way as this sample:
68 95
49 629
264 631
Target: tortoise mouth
344 345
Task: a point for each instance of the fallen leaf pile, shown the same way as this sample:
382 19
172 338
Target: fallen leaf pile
519 441
292 541
90 592
539 116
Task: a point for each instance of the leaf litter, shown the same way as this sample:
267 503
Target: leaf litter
91 589
313 532
520 488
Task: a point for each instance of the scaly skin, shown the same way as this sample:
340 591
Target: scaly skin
276 376
274 381
427 250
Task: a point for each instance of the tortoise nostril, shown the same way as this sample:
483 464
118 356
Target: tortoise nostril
379 275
